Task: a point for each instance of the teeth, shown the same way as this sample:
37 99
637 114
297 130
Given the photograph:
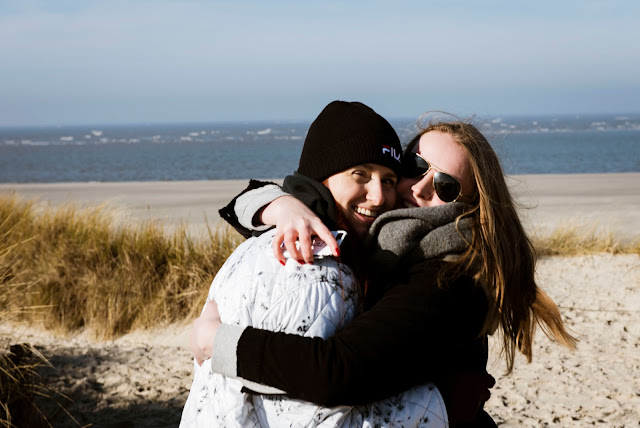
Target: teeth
367 213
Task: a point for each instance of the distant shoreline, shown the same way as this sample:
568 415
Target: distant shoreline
242 122
608 200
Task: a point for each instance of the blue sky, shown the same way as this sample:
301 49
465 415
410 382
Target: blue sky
69 62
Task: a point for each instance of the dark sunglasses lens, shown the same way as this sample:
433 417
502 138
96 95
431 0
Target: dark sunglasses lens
414 165
447 187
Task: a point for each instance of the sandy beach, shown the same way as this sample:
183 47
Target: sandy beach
142 379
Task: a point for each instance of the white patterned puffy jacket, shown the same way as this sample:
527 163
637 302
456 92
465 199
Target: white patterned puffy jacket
253 289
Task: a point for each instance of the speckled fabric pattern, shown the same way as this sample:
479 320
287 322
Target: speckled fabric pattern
254 289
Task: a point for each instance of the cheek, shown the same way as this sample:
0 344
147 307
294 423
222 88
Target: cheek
342 206
342 194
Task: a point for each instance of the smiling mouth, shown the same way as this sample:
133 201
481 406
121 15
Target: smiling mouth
366 213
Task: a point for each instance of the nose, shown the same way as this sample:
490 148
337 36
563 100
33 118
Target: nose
375 193
423 189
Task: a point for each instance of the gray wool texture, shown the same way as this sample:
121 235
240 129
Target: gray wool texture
405 236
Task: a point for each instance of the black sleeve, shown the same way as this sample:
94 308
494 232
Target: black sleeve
229 215
409 337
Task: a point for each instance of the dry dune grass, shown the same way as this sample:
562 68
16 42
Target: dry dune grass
76 269
20 384
582 239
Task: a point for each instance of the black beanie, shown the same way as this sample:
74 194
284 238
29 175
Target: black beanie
346 134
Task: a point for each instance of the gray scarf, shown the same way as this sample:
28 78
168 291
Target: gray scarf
403 237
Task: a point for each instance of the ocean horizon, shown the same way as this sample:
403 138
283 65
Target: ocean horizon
270 149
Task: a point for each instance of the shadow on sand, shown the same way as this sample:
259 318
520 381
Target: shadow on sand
113 386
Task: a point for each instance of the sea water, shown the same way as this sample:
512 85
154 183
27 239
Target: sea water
219 151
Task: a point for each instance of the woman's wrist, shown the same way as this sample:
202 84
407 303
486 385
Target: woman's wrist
270 213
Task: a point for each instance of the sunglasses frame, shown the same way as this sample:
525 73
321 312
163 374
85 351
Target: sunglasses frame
433 182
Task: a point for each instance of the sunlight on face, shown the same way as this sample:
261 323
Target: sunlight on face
362 193
445 155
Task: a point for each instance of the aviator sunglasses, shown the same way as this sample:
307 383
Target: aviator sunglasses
447 188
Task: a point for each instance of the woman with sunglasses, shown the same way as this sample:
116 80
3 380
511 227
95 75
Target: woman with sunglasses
347 172
436 309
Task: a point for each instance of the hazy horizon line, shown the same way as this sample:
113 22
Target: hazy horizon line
304 120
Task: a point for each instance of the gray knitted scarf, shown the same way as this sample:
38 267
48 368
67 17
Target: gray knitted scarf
403 237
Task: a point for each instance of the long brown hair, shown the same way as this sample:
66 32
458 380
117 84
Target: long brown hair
501 256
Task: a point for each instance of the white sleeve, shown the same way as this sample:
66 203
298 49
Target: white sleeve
248 204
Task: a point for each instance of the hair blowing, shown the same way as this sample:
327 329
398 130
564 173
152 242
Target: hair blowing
500 254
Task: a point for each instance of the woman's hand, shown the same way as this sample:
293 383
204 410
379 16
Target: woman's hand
204 332
294 221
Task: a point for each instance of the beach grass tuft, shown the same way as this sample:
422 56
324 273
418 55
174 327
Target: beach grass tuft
71 268
20 383
582 239
21 387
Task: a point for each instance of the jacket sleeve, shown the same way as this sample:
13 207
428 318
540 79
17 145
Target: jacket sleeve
223 360
411 336
240 212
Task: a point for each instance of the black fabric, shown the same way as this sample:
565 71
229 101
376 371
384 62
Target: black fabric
314 195
481 420
346 134
228 213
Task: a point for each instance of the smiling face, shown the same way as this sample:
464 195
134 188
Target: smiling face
362 193
445 155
